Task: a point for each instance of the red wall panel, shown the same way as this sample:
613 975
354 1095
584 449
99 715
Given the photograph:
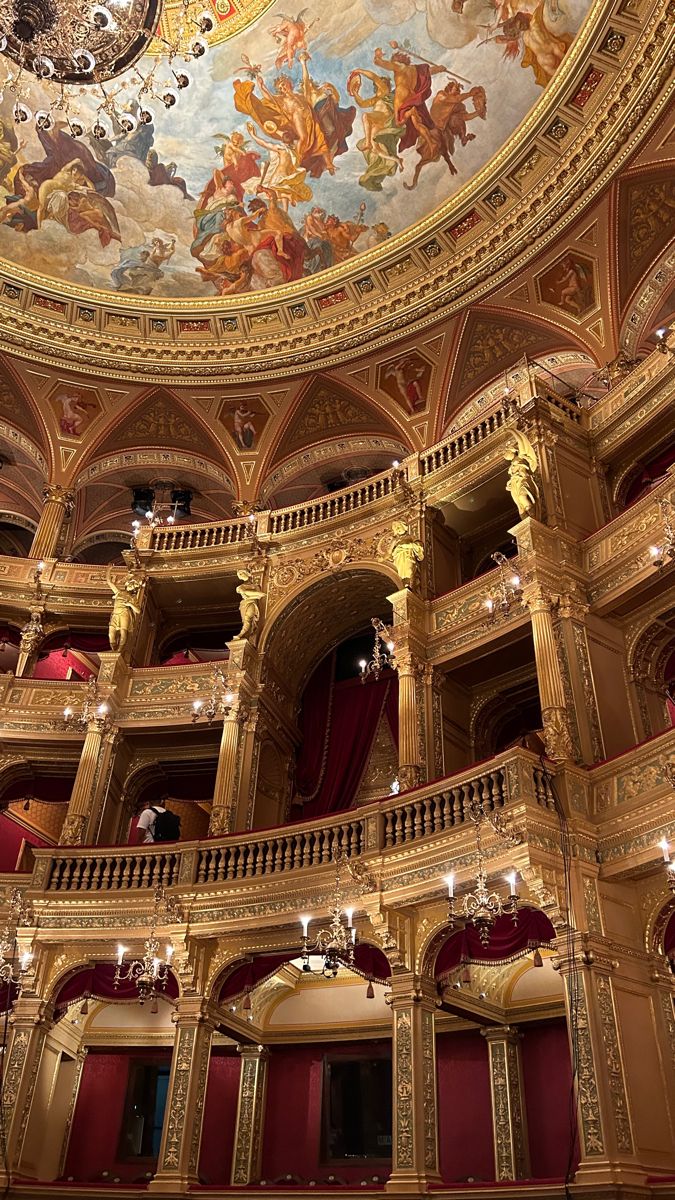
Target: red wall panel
220 1114
97 1119
11 836
547 1079
464 1107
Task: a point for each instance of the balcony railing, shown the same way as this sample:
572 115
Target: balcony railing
389 824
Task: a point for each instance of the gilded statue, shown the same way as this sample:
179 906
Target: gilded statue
125 609
406 553
32 632
522 484
249 607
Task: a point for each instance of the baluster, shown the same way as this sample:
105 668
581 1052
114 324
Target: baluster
389 823
146 866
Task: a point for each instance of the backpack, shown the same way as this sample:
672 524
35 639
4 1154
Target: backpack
167 826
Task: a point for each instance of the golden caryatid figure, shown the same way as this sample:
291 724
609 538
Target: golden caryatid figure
126 608
249 607
406 553
522 484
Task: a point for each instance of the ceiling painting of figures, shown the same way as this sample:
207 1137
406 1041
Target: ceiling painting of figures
309 137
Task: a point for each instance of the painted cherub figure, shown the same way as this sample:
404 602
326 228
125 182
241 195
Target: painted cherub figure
125 609
406 553
249 607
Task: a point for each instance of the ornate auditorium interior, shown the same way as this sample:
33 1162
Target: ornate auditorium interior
337 608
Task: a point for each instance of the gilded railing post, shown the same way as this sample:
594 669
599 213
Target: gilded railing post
414 1164
31 1019
181 1136
58 506
248 1136
509 1122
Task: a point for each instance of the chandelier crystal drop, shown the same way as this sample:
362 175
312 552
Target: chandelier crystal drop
508 591
150 973
75 49
335 944
219 702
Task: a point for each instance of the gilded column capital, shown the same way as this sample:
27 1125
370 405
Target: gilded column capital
56 493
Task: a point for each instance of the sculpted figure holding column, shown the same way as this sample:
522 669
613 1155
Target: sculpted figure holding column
125 609
406 553
522 484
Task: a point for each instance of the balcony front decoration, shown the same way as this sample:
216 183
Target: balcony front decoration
335 944
75 49
482 905
150 973
93 711
13 965
664 552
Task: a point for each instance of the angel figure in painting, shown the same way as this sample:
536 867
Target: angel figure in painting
249 607
289 34
125 609
406 553
281 173
522 485
522 26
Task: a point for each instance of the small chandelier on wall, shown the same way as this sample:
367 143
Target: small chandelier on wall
219 702
384 652
508 591
13 966
334 944
150 974
481 906
93 710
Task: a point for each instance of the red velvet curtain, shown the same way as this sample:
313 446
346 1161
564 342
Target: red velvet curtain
56 665
547 1078
11 836
357 709
464 1107
97 1119
97 981
369 961
315 720
507 941
220 1114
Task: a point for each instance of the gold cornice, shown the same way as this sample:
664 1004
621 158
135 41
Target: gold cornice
408 288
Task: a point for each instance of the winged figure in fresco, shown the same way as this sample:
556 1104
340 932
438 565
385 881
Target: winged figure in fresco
289 34
523 28
309 119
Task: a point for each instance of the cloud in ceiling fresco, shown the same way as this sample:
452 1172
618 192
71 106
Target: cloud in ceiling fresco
303 141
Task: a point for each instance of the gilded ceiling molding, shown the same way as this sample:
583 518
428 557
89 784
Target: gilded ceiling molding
645 301
159 458
327 452
563 153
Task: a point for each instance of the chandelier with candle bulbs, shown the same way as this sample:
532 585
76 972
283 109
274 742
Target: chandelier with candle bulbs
86 58
13 966
219 702
482 905
335 944
508 590
150 973
664 846
94 711
665 551
384 655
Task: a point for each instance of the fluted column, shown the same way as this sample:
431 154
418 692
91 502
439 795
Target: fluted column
30 1019
248 1136
91 784
509 1122
227 773
414 1164
557 736
184 1112
409 766
58 506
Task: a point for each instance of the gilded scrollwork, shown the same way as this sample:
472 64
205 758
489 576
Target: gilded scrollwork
404 1141
614 1065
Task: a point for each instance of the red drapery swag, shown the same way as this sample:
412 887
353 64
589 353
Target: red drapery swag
508 941
97 982
315 721
354 713
369 961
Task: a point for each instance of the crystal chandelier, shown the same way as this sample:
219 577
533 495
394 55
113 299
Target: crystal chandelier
481 906
76 48
94 710
508 588
335 945
666 549
220 701
383 652
12 965
664 846
151 972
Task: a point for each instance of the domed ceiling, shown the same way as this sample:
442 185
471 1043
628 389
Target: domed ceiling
308 136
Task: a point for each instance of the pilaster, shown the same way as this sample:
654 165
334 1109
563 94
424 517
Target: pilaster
554 712
414 694
58 506
248 1135
414 1108
509 1121
92 781
181 1135
30 1019
236 758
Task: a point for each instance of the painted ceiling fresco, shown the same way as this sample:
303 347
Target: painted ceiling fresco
308 138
